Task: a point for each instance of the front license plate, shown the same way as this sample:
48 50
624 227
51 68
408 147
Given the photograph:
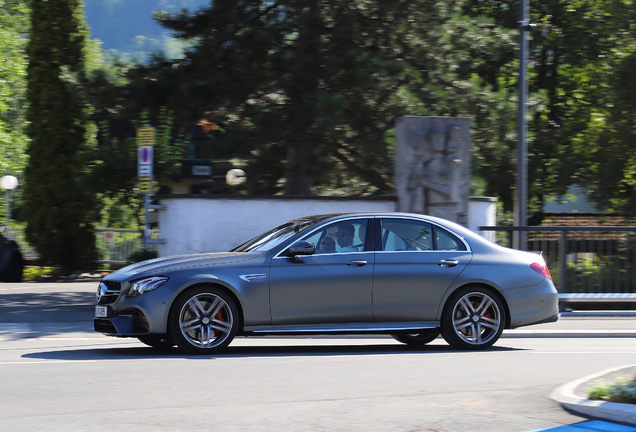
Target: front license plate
101 311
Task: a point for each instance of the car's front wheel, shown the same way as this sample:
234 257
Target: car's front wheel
473 318
203 320
416 339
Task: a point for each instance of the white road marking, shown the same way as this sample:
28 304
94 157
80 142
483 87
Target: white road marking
46 362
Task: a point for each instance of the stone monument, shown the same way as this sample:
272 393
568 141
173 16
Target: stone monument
432 166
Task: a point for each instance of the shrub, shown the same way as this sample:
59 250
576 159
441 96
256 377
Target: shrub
622 390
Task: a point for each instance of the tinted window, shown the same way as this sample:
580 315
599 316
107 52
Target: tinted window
340 237
276 236
447 242
406 235
413 235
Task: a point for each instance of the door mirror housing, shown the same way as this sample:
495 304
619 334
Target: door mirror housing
302 247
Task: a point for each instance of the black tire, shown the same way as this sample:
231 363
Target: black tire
416 339
157 342
473 318
203 320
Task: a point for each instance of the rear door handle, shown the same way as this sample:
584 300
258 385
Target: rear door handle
357 263
448 263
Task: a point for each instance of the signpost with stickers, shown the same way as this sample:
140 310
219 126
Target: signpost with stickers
145 144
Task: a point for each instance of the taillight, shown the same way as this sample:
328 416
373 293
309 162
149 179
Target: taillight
542 269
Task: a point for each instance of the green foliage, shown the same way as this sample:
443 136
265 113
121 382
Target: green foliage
33 273
316 86
58 207
13 29
112 175
623 390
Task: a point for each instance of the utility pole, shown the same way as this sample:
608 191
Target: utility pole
521 212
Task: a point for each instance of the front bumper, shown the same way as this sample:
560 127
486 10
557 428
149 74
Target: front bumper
129 323
136 316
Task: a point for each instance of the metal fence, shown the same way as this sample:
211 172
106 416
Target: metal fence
582 259
114 246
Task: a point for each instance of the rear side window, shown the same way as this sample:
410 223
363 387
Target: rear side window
446 241
412 235
406 235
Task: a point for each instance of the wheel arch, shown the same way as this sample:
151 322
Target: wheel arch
222 287
489 287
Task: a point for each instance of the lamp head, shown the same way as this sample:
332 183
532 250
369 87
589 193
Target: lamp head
8 182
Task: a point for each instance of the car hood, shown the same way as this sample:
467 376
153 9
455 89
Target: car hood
160 265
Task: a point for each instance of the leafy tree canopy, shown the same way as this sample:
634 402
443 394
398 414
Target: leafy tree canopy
13 37
58 207
315 87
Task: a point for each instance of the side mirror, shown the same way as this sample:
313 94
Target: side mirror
302 247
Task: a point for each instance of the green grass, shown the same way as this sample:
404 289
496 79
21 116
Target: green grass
623 390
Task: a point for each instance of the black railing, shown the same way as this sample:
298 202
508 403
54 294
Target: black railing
582 259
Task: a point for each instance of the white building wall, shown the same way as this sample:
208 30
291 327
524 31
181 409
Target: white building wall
482 211
194 224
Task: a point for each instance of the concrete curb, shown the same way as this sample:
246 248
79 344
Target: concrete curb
611 411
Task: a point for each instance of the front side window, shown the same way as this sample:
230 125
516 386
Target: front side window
340 237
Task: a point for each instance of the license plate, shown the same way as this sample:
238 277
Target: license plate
101 311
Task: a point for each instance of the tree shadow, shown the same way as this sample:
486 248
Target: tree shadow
58 306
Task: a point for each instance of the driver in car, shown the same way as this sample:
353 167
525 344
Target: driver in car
345 238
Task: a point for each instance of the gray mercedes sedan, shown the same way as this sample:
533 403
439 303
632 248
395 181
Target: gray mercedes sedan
406 275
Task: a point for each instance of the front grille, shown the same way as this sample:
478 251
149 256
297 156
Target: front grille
104 326
108 291
112 285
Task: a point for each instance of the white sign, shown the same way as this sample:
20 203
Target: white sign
144 159
201 170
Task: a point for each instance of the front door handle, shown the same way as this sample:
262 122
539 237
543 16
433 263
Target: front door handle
448 263
357 263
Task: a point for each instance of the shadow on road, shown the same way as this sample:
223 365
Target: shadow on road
57 306
134 353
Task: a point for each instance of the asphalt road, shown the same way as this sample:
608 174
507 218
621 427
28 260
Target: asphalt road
56 374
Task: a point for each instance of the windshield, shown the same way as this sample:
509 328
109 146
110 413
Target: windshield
272 238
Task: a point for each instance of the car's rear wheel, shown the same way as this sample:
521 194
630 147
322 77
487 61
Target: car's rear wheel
203 320
157 342
416 339
473 318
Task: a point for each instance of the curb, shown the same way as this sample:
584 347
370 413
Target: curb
618 412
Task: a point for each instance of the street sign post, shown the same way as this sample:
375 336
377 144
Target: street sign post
145 144
144 161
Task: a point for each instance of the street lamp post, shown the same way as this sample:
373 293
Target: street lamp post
521 215
8 183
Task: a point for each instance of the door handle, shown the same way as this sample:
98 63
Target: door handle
357 263
448 263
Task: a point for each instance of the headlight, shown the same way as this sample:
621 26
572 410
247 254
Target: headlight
145 285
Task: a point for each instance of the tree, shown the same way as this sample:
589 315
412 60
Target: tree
13 31
570 53
58 207
317 85
113 171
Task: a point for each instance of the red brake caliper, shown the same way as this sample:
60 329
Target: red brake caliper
219 316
